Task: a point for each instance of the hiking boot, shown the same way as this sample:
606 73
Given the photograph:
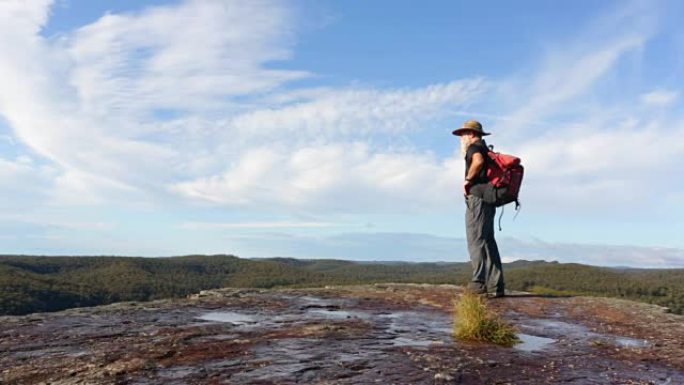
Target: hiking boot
497 294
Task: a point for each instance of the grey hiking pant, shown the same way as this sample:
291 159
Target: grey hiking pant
484 254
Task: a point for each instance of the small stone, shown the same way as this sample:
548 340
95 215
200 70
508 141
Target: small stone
443 376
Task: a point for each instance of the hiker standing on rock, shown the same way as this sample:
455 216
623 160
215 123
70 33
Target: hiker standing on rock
479 216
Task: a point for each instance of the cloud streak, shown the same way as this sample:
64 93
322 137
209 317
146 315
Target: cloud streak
338 177
361 111
254 225
660 98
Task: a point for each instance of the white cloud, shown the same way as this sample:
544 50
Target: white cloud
341 176
25 16
603 164
23 183
361 111
254 225
87 100
45 116
584 151
42 221
566 80
569 75
187 57
660 98
93 102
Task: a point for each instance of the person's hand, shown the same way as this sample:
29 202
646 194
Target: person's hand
466 187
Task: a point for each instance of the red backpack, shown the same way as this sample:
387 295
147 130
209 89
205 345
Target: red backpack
505 174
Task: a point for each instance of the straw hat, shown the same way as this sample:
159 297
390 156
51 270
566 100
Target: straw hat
471 125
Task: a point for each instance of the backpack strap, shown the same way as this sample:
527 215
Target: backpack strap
517 211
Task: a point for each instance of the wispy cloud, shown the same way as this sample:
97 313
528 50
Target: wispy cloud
89 100
660 98
603 163
181 57
568 75
42 221
24 183
565 82
340 177
263 144
128 115
361 111
254 225
588 140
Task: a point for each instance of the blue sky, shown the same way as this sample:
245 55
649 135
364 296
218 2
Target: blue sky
321 129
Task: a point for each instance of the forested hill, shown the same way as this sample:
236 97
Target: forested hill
37 283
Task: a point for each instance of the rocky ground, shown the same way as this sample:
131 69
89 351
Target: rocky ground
385 333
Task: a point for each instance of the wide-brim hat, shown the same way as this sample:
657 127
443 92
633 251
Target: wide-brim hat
470 125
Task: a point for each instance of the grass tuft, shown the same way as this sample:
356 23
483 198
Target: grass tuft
475 322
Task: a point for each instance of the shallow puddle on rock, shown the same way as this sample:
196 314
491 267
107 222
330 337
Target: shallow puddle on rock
311 300
532 343
627 342
407 341
558 328
577 332
335 314
412 328
176 372
420 321
229 316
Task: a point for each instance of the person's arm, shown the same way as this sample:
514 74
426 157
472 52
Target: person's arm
475 167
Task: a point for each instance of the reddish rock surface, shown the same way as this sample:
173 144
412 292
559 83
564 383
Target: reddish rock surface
385 333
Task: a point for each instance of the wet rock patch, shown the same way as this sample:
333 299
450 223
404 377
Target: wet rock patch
391 333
